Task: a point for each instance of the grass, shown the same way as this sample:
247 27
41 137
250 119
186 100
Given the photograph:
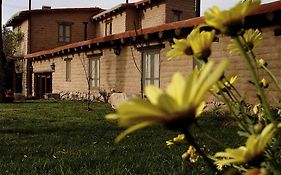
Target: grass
59 137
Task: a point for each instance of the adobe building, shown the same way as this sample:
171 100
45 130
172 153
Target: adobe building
128 51
62 26
44 29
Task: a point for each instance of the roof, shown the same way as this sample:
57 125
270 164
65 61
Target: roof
23 15
121 7
189 23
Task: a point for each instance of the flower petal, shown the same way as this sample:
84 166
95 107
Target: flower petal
153 93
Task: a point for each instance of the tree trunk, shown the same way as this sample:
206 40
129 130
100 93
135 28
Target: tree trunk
3 63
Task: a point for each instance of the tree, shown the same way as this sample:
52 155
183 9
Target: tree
3 63
11 41
88 75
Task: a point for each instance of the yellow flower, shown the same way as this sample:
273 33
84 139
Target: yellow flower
252 153
180 48
169 143
201 43
252 40
190 155
196 43
230 21
221 86
231 81
264 83
262 62
179 139
176 107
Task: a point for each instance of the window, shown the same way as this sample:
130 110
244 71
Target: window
65 32
177 14
108 28
151 68
94 71
68 70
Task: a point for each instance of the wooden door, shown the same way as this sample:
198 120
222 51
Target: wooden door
42 84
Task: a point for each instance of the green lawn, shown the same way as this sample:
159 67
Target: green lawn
49 137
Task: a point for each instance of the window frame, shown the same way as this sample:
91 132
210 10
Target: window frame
64 37
108 23
151 79
68 69
177 15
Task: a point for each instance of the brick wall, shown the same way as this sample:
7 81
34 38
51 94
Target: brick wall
22 49
269 50
118 24
133 20
43 25
169 67
185 6
153 15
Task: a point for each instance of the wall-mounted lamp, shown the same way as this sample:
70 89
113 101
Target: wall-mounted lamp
53 67
117 50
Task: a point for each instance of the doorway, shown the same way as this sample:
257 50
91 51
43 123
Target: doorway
19 83
42 84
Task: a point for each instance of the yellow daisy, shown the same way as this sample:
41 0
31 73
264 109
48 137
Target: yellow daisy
252 153
197 44
222 85
201 43
180 48
176 107
230 21
252 40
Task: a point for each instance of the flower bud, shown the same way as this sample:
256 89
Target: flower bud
262 62
264 83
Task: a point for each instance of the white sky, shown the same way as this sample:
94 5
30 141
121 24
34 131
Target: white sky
10 7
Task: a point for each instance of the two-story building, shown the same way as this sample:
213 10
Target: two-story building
44 29
129 46
51 28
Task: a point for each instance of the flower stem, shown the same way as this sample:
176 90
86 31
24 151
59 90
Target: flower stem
272 76
255 77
